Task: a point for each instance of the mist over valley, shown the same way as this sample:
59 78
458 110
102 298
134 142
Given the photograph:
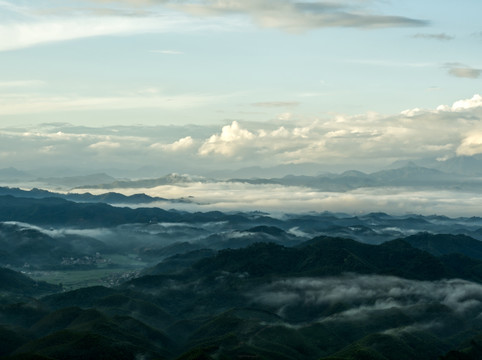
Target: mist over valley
228 179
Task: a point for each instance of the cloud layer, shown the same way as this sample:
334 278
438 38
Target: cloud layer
455 130
339 142
359 296
277 199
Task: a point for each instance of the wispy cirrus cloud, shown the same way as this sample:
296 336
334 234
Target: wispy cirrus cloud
389 63
15 104
440 37
21 84
297 16
37 32
35 25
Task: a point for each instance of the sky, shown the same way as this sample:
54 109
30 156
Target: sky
214 84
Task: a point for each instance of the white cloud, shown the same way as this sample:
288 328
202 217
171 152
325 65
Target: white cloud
105 145
411 112
363 294
471 145
343 138
20 84
285 116
181 144
466 104
25 34
337 143
35 25
280 132
14 104
231 137
228 196
47 149
38 25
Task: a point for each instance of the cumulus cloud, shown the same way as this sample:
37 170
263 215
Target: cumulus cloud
467 104
337 142
231 137
344 138
181 144
345 141
235 141
471 145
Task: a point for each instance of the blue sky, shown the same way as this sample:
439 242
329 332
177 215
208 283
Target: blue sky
299 73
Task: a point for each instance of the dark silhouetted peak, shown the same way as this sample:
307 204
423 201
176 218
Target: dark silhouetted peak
271 230
443 244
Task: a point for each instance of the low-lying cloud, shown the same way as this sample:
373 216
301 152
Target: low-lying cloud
276 199
361 295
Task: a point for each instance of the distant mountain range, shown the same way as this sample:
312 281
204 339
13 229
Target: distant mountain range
108 198
149 183
462 172
75 181
409 175
13 176
462 165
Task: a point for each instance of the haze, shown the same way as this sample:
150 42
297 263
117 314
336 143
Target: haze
223 89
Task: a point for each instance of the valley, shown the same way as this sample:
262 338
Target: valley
169 284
